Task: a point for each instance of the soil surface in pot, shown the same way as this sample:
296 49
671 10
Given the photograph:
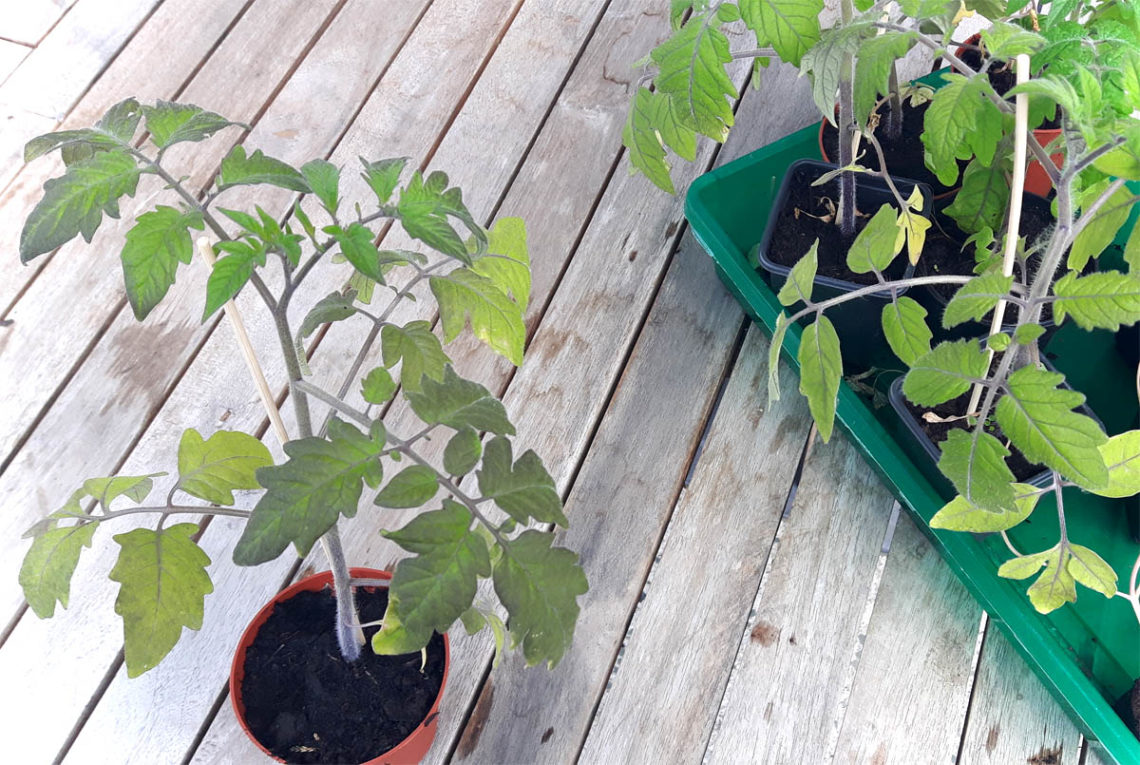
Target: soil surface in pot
799 224
943 255
1022 468
305 704
905 153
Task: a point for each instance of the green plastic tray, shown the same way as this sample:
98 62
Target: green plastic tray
1088 653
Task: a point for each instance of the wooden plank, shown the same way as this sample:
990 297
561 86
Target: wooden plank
912 687
702 585
785 698
591 110
156 63
131 371
54 76
79 269
1012 717
11 54
29 20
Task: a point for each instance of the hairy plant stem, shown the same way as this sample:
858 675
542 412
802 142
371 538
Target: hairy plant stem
847 206
169 510
895 118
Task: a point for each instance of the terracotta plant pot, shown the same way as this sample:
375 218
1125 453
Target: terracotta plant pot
409 751
1036 179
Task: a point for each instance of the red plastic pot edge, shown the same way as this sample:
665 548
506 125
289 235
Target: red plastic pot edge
1036 179
409 751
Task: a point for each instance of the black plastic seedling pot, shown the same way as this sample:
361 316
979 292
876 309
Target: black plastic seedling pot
1085 653
858 322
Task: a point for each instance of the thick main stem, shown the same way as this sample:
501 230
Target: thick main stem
895 118
349 635
846 217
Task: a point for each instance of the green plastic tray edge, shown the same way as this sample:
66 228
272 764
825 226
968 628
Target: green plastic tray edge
1050 661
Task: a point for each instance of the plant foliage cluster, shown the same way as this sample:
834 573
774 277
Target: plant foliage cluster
493 507
1085 78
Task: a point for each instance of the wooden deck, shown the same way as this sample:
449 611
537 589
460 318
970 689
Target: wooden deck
752 598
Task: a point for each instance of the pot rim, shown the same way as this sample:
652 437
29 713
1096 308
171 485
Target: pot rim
315 582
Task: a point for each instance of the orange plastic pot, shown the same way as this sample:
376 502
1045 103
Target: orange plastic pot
409 751
1036 179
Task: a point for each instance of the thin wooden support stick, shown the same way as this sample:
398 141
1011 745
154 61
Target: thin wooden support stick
1017 193
206 250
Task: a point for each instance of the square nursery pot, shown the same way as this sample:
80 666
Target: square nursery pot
1085 653
926 453
858 323
414 746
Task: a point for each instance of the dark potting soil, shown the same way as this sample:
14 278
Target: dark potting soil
796 228
905 153
943 254
306 704
1128 707
1022 468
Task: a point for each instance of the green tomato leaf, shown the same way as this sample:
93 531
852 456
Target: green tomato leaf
825 56
462 452
1091 570
691 72
1101 300
877 244
522 490
411 487
383 176
238 169
495 318
959 515
1102 227
437 586
873 70
976 298
163 587
983 200
169 123
975 463
49 565
418 348
1006 40
332 307
323 178
1121 455
960 123
774 347
212 468
1038 417
507 263
799 283
377 387
1025 334
539 586
157 243
74 203
358 245
322 480
945 373
790 26
904 324
642 137
458 404
107 490
424 208
821 369
227 277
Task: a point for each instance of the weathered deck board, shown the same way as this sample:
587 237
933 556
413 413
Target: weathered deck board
32 21
1012 717
913 683
785 699
156 63
33 376
130 371
11 54
70 58
680 645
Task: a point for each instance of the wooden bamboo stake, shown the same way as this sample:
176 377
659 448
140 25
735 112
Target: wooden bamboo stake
1017 193
206 250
